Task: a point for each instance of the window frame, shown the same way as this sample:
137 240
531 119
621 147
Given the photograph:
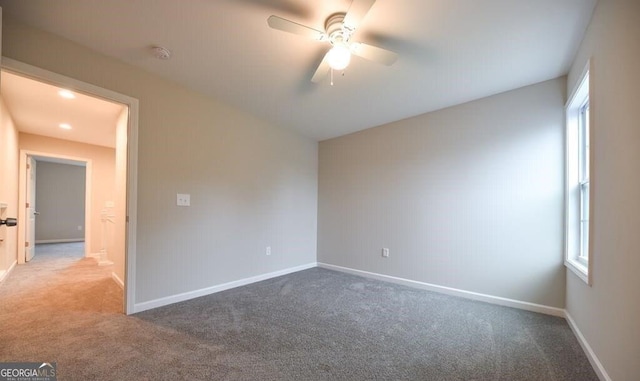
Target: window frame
583 181
578 187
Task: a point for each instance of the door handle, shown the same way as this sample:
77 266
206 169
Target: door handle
9 222
36 213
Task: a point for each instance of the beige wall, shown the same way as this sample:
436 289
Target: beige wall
8 187
608 313
60 198
468 197
102 177
252 184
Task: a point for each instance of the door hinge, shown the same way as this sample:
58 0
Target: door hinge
26 244
28 166
27 205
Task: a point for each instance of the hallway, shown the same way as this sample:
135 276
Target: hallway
60 279
59 290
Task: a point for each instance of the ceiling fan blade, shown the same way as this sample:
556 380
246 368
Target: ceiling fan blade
357 11
279 23
321 71
373 53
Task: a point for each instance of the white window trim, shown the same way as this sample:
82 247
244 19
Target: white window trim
573 261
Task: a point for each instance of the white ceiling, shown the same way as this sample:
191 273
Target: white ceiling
450 51
38 109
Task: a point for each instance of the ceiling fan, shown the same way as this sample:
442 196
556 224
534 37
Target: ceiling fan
339 28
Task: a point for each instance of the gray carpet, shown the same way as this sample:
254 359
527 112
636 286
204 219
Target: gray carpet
312 325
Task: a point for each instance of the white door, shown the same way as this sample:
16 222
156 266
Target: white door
29 245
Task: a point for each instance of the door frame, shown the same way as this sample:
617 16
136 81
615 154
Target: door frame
56 79
30 211
22 199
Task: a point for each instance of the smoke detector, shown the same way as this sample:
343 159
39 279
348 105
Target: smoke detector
161 53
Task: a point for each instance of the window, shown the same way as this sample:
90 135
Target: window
577 200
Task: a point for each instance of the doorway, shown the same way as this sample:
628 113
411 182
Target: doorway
120 205
58 202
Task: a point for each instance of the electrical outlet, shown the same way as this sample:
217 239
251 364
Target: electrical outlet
183 199
385 252
268 250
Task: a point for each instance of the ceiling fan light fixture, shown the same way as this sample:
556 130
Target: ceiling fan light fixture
339 56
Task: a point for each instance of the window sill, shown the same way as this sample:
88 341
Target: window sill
579 269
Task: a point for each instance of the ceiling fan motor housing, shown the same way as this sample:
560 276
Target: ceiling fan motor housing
334 26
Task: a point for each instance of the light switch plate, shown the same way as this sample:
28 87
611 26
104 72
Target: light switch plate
183 199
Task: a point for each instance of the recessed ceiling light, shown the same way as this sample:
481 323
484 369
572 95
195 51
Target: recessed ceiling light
66 94
65 126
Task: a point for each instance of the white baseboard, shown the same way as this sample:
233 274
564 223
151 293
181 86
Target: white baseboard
139 307
593 359
117 279
64 240
452 291
93 255
5 273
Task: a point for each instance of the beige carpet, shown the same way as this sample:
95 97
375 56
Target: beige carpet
60 280
42 299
